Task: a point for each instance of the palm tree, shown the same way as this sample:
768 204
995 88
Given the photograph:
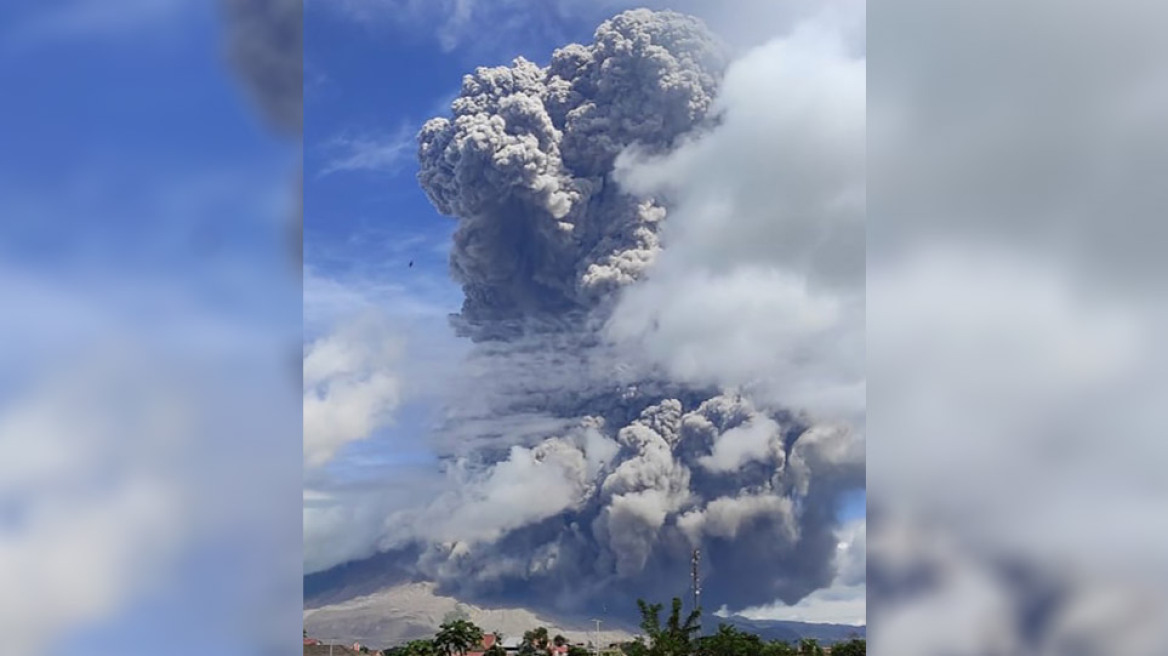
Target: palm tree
458 636
676 638
535 641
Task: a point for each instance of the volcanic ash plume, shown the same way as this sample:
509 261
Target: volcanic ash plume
524 164
601 474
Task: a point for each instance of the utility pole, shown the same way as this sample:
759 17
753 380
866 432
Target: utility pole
697 585
597 636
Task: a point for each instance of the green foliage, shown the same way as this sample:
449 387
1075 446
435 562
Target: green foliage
778 648
535 642
810 647
729 641
420 648
635 648
853 647
676 638
457 637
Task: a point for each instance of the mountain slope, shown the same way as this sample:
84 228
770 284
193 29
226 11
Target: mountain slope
409 611
794 631
413 610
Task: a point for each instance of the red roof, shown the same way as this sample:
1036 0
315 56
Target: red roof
488 641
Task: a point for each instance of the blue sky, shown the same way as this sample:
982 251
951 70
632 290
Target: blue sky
370 83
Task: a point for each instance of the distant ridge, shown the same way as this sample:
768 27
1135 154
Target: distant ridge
791 631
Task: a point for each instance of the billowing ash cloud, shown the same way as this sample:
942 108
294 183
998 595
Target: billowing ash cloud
524 165
607 512
581 476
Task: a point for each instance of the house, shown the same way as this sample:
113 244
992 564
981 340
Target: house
488 641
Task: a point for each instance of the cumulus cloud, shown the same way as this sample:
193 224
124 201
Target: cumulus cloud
762 277
378 153
350 389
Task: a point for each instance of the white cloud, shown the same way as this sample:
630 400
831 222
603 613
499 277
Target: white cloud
749 442
350 389
379 153
761 280
488 506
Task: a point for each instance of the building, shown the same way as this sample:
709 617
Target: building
488 641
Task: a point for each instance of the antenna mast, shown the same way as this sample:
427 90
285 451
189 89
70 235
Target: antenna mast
697 585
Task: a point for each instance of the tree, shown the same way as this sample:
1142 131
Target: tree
559 640
634 648
577 650
810 647
534 642
729 641
676 637
457 637
420 648
779 648
495 650
853 647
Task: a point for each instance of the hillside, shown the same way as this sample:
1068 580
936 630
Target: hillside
794 631
413 610
409 611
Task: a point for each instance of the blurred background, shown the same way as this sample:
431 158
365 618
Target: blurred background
1016 308
149 366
